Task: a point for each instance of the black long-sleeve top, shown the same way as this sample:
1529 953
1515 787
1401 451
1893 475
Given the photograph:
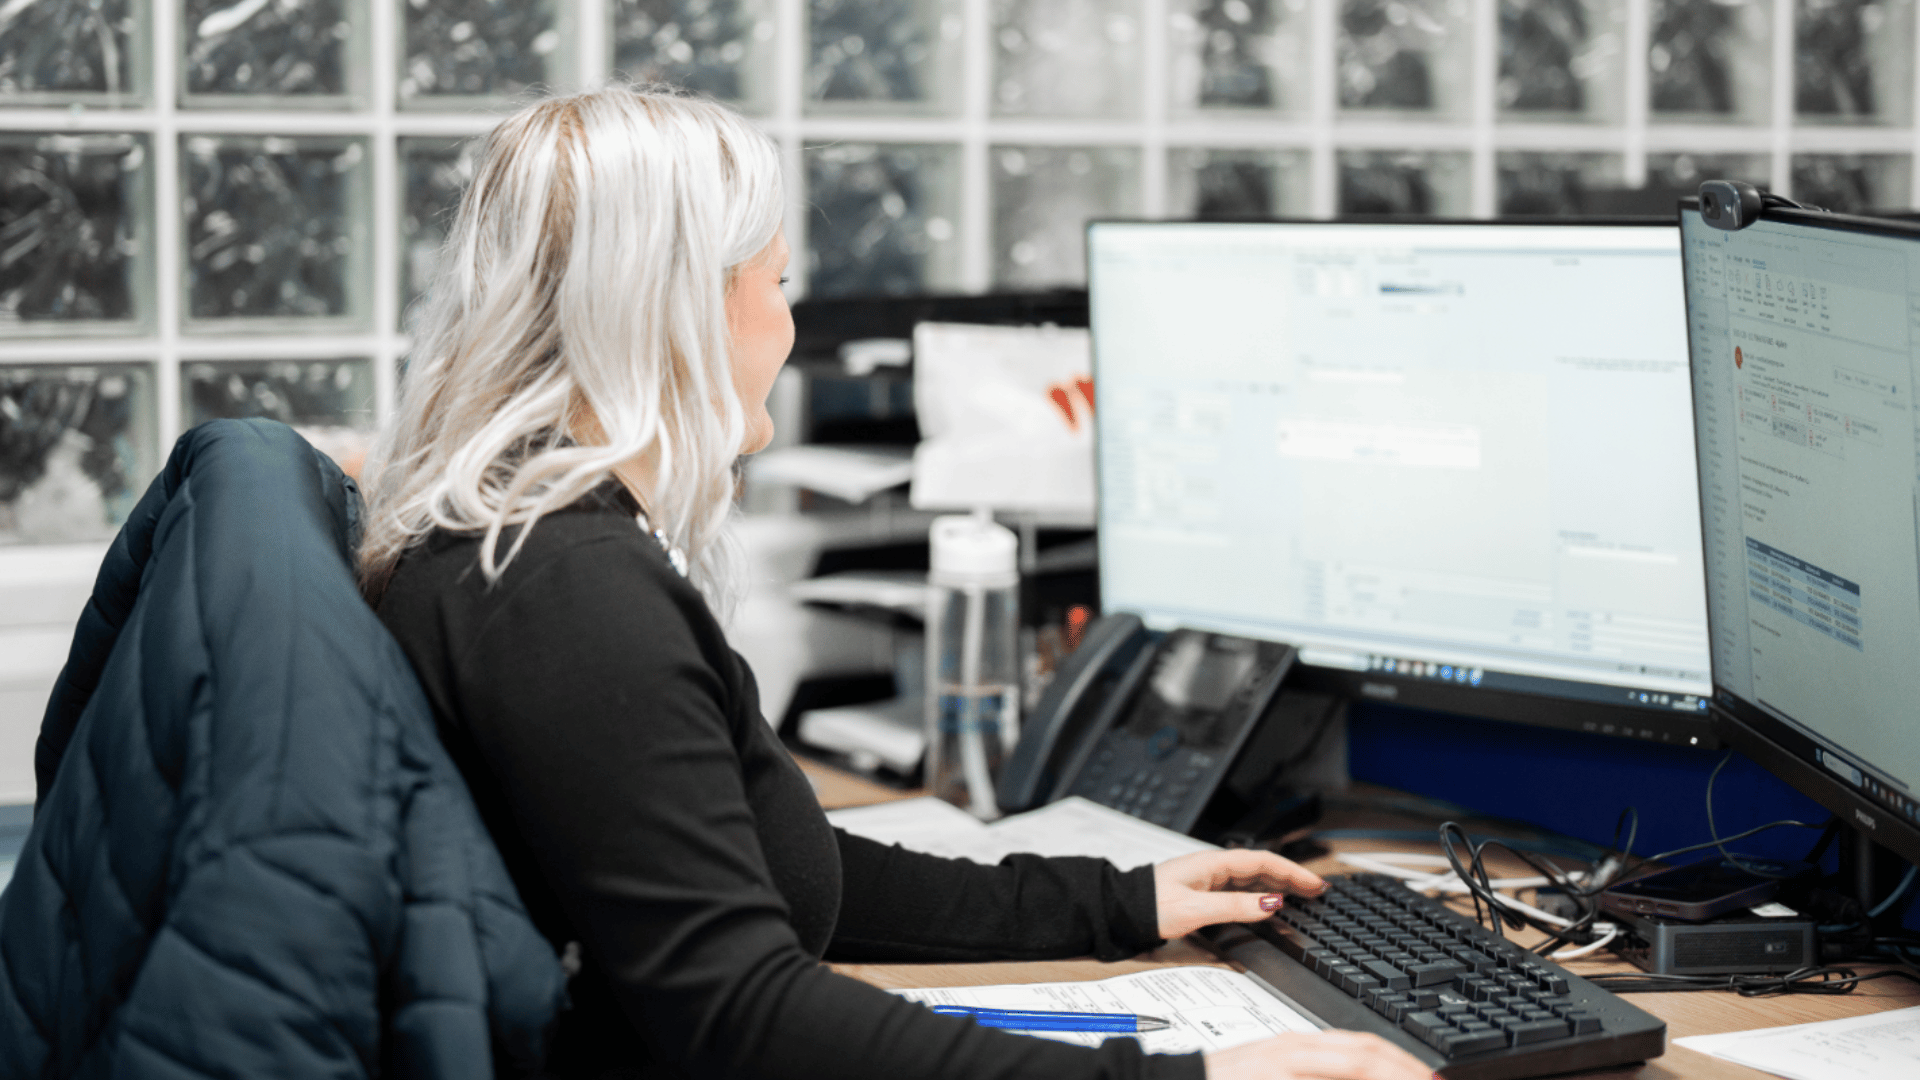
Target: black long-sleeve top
614 746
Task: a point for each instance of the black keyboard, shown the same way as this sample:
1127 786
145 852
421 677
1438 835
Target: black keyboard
1373 955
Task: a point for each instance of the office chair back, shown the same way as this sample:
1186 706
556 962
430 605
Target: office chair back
250 854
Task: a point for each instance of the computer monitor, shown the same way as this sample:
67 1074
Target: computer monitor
1805 358
1452 462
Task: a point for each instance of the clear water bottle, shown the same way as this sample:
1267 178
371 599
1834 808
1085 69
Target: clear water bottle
973 681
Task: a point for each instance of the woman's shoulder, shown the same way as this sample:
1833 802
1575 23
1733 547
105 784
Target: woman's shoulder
594 544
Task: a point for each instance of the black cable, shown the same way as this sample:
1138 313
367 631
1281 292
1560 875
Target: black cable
1806 980
1478 881
1820 846
1717 842
1771 201
1714 830
1472 871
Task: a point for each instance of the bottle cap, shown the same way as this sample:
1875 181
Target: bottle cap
973 551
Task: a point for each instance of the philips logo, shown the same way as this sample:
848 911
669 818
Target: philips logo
1866 819
1386 691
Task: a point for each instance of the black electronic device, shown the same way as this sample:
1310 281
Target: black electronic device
1280 400
1805 356
1700 890
1144 722
1738 944
1730 204
1373 955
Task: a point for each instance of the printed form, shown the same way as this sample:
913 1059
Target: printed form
1879 1046
1209 1008
1072 826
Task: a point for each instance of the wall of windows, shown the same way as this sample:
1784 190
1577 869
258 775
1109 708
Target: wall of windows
224 207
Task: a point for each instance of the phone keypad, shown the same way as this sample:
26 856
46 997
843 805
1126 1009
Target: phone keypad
1160 790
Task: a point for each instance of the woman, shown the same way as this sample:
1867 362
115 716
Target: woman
597 353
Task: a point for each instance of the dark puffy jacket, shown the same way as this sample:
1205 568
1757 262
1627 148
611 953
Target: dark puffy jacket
251 856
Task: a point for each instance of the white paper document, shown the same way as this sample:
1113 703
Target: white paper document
1209 1008
905 821
1072 826
854 474
1879 1046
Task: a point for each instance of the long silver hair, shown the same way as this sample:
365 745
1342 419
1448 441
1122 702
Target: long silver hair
578 322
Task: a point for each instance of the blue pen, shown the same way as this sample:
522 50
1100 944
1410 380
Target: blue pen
1030 1020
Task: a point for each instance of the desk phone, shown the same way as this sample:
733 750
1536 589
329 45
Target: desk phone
1148 723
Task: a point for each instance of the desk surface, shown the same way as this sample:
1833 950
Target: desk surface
1685 1014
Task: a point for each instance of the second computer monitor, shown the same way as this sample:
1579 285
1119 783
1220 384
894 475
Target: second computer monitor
1453 462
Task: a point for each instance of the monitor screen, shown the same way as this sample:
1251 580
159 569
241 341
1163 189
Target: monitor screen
1804 362
1451 461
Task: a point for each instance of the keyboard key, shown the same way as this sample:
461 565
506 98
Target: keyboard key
1533 1031
1391 977
1423 1024
1473 1042
1478 961
1432 973
1584 1021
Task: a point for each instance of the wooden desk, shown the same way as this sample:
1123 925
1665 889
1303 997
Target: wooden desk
1685 1014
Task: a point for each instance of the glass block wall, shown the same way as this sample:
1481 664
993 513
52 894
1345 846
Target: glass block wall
224 207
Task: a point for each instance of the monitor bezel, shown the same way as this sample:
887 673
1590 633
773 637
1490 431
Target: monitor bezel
1644 723
1743 725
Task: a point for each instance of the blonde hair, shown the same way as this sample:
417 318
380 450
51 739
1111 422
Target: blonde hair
582 291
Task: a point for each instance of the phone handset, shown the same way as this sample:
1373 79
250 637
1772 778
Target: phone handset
1060 722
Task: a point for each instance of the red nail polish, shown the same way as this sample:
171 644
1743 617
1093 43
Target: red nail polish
1272 902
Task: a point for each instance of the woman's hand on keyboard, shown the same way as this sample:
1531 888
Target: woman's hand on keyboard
1241 885
1319 1055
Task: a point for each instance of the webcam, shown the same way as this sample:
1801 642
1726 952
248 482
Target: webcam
1730 204
1733 204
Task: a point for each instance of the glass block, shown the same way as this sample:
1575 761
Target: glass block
1239 54
275 229
1711 60
1689 171
1404 56
1533 184
76 449
1853 183
281 55
723 48
329 401
883 219
1043 197
89 52
1222 184
1066 58
434 173
1853 61
893 56
455 52
1416 183
75 233
1562 60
